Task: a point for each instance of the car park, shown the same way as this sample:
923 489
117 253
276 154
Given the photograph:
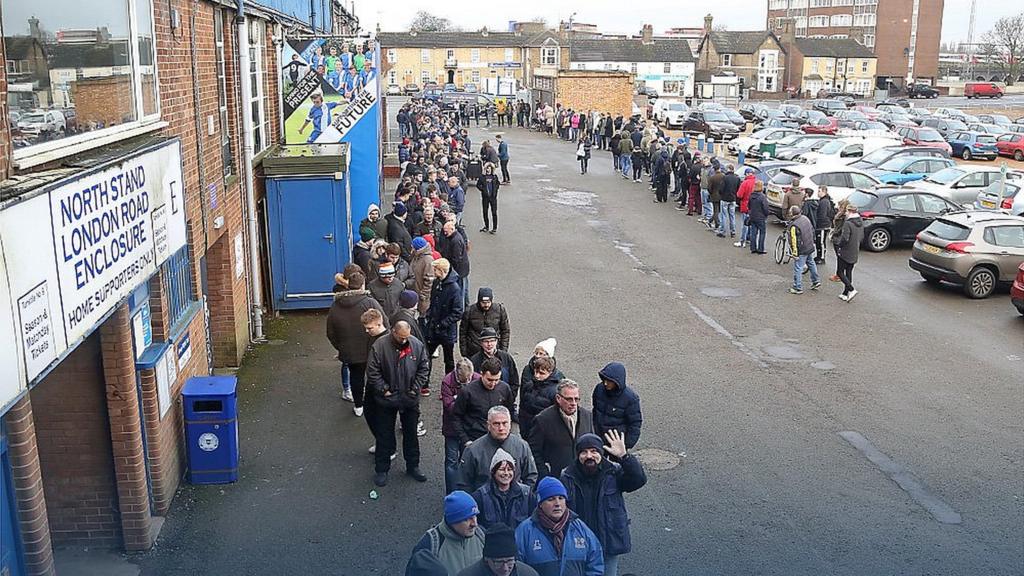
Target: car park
670 112
765 170
866 128
765 135
982 90
961 184
823 125
969 145
844 150
922 136
993 129
1002 195
882 155
736 118
710 123
895 215
807 143
977 250
753 111
918 114
903 169
1000 119
789 110
921 91
896 119
949 112
897 101
1017 291
841 182
1011 144
828 107
808 115
945 126
798 141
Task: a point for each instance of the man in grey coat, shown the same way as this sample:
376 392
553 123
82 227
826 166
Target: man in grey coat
801 241
475 467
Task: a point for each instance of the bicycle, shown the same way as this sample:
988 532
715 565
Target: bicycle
783 250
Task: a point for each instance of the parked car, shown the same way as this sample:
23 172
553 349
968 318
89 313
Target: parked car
945 126
648 91
797 141
977 250
1011 144
845 150
450 87
711 123
993 129
824 125
1002 195
901 102
753 111
828 107
866 129
999 119
961 184
452 100
736 118
882 155
903 169
1017 290
790 110
986 89
38 122
411 89
921 136
470 87
969 145
841 182
670 112
808 143
949 112
918 114
754 140
892 214
807 116
921 91
1016 128
393 90
896 119
869 111
765 170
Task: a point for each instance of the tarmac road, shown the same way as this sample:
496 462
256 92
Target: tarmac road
746 392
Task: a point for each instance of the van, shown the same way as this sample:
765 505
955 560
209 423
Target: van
670 112
979 89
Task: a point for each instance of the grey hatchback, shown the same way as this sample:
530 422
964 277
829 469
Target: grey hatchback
976 249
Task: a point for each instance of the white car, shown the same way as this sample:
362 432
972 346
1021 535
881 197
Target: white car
961 184
754 141
41 121
670 112
841 181
846 150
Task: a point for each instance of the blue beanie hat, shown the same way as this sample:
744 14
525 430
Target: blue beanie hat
459 506
400 209
419 243
550 487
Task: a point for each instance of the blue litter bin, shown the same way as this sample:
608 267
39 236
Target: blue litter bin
211 429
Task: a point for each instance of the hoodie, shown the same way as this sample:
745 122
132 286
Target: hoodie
848 246
619 408
379 227
344 329
743 194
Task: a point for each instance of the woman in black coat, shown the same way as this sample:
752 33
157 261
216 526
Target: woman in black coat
583 153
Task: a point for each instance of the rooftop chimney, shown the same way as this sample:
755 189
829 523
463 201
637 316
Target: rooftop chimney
33 28
646 34
707 23
787 31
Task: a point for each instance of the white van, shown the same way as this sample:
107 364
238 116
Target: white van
670 112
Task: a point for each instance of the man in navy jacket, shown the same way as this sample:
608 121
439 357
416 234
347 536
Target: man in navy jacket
616 405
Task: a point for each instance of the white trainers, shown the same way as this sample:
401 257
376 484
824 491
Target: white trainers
738 244
346 395
850 296
358 410
437 352
844 297
421 430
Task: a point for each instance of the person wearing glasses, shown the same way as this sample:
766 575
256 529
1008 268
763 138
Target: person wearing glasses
554 431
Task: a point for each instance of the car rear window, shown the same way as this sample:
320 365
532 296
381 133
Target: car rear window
929 135
785 178
986 139
948 230
861 199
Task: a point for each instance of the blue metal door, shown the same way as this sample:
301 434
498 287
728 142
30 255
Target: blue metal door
309 227
10 557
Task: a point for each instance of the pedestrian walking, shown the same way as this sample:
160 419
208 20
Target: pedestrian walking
347 336
848 249
397 370
594 486
823 223
441 325
499 555
554 431
451 385
486 313
503 499
489 349
477 398
743 199
757 218
457 541
503 157
554 541
800 233
616 405
488 185
583 153
539 386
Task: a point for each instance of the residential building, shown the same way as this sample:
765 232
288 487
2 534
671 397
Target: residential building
904 34
665 64
755 57
813 64
126 246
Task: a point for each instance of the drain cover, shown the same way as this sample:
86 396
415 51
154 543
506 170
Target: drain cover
657 459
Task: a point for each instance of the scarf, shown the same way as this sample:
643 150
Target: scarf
555 528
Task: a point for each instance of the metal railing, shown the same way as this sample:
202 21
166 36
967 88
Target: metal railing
177 284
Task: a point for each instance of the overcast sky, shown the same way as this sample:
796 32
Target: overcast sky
614 16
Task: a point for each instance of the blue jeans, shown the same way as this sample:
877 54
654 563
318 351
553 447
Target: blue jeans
756 232
705 198
744 228
611 565
346 383
627 165
801 262
452 455
464 282
727 214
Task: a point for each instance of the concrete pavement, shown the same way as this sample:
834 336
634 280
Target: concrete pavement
746 390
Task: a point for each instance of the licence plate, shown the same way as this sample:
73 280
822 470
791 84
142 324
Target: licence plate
774 195
931 249
988 204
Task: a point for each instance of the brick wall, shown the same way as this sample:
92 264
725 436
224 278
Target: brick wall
29 496
75 455
604 91
228 344
102 101
5 128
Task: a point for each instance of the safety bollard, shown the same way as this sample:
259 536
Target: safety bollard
711 147
741 158
700 143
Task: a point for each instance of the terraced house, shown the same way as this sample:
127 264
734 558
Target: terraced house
813 64
756 57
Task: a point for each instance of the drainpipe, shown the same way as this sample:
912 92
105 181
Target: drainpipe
255 276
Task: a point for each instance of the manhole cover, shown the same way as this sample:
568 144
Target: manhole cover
276 342
657 459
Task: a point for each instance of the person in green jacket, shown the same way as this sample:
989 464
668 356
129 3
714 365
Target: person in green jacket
457 541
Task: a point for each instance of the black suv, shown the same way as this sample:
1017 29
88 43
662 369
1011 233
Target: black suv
922 91
711 123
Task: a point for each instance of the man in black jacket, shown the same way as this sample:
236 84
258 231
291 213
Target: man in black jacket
489 349
398 368
476 398
452 247
398 232
554 431
485 314
730 185
823 223
616 405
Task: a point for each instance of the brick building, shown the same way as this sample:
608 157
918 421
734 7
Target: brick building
904 34
98 332
814 64
755 57
595 90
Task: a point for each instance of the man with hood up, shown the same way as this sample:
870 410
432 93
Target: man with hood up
504 499
594 486
373 221
616 405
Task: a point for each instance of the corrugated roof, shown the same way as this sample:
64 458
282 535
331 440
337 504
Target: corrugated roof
728 42
833 48
450 39
631 50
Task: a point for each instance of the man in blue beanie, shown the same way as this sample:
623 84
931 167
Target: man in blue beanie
457 541
554 541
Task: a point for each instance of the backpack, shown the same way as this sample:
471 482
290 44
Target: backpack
436 540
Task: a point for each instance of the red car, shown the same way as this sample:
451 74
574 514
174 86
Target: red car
923 136
1017 290
1011 144
871 112
826 125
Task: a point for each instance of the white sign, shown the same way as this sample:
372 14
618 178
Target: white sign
166 376
36 329
77 248
239 256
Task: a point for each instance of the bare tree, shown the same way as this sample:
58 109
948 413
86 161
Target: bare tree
424 21
720 28
1007 36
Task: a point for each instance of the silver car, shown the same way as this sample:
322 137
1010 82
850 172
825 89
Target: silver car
1004 197
978 250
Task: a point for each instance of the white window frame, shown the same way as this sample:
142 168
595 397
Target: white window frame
841 20
821 3
474 55
474 76
864 66
550 55
726 60
817 22
839 3
223 114
667 69
425 76
55 149
814 66
424 55
869 40
510 54
392 56
257 68
778 4
449 54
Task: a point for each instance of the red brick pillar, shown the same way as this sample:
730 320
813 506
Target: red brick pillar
126 430
28 489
